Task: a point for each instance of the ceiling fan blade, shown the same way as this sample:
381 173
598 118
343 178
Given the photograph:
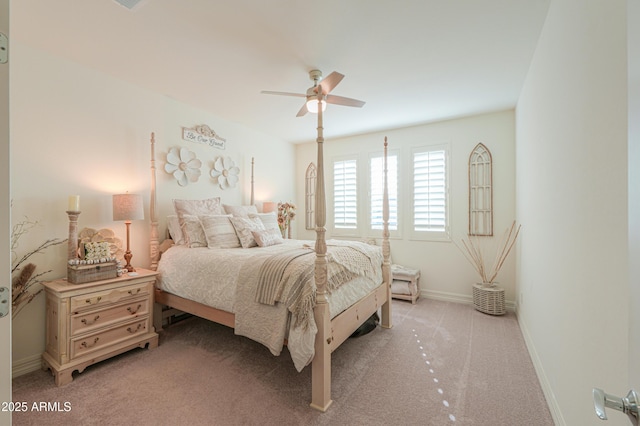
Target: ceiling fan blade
331 81
269 92
303 110
340 100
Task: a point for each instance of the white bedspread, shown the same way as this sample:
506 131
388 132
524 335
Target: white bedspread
226 278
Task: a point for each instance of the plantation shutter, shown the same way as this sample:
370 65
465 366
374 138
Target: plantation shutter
377 191
429 191
345 195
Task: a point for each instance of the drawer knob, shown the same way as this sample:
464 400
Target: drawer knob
131 292
87 322
134 311
93 301
132 330
90 345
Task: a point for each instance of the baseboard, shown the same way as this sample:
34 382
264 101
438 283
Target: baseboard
509 305
26 365
554 408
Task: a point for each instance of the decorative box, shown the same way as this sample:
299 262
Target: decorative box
80 274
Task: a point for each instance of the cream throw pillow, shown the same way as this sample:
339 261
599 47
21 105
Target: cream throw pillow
173 224
240 211
268 237
269 220
219 232
192 231
194 237
244 226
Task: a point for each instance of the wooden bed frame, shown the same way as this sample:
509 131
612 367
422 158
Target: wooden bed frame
331 332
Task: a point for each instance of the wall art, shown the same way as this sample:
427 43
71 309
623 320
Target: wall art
183 165
226 172
205 135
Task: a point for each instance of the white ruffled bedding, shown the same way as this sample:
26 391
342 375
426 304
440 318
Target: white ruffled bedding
226 279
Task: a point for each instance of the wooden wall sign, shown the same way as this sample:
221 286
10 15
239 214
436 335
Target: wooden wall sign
205 135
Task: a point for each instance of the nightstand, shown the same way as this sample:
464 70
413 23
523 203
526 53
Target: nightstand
405 284
90 322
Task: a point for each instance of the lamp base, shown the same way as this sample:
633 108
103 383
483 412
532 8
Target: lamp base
127 257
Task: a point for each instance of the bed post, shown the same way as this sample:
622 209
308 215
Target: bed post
321 365
155 253
386 248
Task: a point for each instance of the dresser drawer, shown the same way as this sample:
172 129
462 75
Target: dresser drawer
96 318
107 297
93 342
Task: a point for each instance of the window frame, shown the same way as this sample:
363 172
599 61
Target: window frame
429 235
345 231
370 231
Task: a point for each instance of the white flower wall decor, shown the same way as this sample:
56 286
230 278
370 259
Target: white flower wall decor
226 172
183 165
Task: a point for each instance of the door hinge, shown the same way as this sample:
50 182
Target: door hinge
4 49
4 301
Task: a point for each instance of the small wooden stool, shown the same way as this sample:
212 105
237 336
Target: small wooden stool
405 284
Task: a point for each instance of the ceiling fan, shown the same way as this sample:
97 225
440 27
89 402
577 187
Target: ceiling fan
325 85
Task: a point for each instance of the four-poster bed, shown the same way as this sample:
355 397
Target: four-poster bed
331 332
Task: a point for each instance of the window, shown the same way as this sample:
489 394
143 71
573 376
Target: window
430 193
310 197
345 194
377 190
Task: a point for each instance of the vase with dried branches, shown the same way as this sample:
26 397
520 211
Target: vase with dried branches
473 252
24 280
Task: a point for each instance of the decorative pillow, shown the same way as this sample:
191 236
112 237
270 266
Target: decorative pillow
173 224
268 237
198 207
244 226
219 232
192 231
269 220
195 208
240 211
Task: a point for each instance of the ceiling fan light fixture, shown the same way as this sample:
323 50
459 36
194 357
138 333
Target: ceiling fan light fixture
312 105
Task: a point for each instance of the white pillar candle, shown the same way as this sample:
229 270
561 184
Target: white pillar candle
74 203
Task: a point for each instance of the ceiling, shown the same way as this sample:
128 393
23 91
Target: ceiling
412 61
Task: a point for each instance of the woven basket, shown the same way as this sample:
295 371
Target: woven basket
80 274
489 300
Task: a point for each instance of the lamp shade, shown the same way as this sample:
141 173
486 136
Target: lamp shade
269 206
127 207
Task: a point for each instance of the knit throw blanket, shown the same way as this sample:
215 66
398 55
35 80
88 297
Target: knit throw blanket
289 277
270 282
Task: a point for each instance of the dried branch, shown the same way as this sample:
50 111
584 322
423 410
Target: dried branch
24 278
470 248
40 249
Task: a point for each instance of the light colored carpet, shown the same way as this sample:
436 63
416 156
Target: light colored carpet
441 364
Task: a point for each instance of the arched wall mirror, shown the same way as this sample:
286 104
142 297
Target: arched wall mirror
480 191
310 197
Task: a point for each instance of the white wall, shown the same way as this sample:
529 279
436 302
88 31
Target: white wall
571 161
77 131
445 274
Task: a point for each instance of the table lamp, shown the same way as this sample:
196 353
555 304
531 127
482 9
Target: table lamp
128 207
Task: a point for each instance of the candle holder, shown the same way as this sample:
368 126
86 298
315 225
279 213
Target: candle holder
72 251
